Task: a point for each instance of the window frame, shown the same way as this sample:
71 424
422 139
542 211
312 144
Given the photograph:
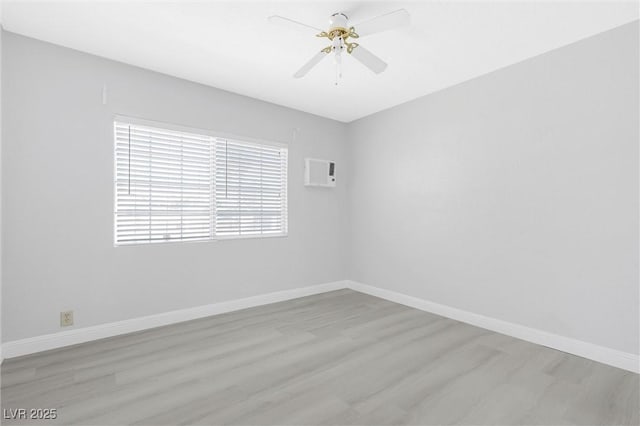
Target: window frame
215 136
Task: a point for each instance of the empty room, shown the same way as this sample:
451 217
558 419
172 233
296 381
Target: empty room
319 213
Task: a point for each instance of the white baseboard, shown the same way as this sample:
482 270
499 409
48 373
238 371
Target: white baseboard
616 358
45 342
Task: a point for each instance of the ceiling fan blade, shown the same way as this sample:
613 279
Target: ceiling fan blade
291 24
389 21
312 63
368 59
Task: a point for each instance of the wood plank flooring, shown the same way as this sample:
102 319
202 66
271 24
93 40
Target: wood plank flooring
338 358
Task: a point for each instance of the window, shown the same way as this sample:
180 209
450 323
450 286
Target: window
178 186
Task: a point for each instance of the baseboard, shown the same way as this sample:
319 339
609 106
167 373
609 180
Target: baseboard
624 360
36 344
616 358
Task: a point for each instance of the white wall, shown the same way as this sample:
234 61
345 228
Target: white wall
57 179
514 195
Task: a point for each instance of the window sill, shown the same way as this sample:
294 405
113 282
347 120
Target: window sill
215 240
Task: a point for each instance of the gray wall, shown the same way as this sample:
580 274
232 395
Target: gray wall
57 181
514 195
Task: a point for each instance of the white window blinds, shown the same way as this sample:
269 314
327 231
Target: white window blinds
178 186
251 189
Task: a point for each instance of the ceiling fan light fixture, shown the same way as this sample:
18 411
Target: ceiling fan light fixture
338 21
339 32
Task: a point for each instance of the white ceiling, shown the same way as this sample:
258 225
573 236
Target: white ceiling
230 45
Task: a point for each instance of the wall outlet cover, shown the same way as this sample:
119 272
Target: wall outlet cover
66 318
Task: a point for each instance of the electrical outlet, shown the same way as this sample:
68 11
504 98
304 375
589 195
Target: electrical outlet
66 318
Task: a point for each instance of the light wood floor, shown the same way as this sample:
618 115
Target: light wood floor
336 358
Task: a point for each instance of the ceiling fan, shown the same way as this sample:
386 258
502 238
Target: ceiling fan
340 33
